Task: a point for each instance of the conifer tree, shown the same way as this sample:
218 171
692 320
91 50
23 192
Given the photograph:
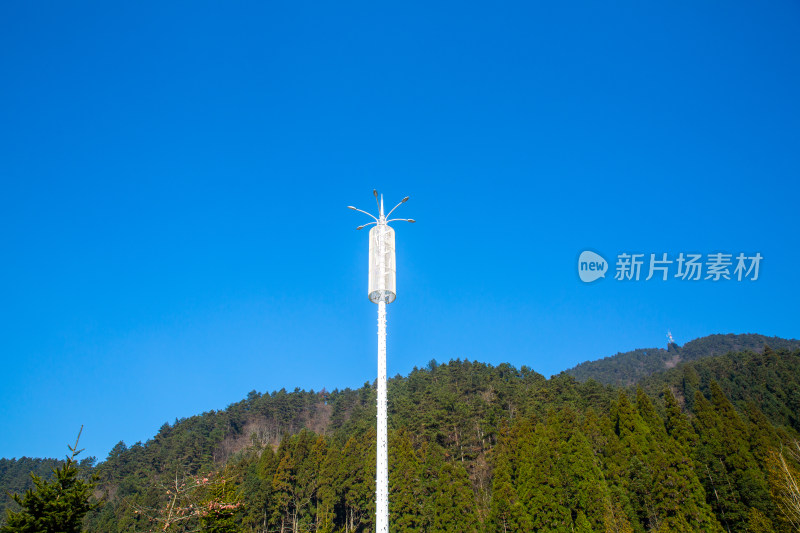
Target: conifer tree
582 484
665 493
722 492
732 471
328 492
357 475
506 513
691 385
453 504
676 423
58 505
405 485
257 489
283 486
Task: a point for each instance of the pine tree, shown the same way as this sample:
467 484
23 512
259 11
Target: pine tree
734 476
691 385
58 505
452 500
328 491
716 465
557 476
405 485
677 424
357 478
664 491
506 512
583 482
257 489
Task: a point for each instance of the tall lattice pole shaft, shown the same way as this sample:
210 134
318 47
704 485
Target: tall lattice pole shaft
382 466
382 473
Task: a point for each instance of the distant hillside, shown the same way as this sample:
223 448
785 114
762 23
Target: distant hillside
625 369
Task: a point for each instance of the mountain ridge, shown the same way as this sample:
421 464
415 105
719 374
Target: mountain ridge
625 369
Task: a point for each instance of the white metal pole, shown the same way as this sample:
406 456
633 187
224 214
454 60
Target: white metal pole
382 452
382 474
381 293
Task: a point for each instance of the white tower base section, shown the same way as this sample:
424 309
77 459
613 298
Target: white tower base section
382 472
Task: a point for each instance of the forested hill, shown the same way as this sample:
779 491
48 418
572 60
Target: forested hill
625 369
477 448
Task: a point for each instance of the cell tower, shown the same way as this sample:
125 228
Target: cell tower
382 290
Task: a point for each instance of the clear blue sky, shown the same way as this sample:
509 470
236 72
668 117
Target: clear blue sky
174 183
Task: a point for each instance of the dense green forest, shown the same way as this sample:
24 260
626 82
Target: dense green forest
702 446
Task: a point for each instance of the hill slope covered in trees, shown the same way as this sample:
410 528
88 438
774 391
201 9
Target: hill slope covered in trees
474 447
627 368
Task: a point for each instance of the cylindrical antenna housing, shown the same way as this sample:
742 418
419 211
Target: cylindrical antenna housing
382 273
